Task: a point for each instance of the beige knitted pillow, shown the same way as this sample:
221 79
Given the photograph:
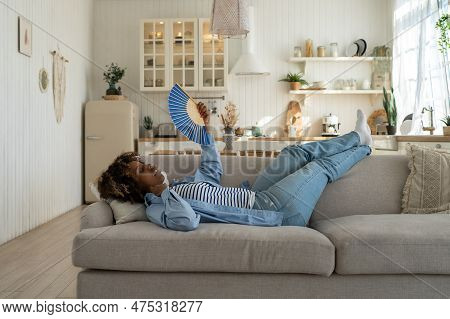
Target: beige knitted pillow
427 188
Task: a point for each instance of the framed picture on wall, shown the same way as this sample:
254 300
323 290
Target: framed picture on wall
25 36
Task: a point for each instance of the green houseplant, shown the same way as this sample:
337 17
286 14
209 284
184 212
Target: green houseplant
148 126
295 79
390 107
443 25
112 76
446 128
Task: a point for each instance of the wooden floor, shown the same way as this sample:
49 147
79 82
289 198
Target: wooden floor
38 264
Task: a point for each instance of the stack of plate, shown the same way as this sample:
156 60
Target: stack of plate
406 126
357 48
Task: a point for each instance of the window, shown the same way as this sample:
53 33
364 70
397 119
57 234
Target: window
420 70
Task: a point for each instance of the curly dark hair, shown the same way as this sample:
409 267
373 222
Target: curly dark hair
117 182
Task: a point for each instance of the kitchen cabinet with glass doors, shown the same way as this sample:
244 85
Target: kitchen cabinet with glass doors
182 51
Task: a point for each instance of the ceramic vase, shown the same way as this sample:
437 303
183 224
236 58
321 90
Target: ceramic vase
228 138
148 133
295 86
112 90
391 130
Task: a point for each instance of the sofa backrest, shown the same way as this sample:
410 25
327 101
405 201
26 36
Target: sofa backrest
373 186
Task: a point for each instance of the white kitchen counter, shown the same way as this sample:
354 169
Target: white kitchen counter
383 145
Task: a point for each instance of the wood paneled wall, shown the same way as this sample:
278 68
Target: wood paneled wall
40 160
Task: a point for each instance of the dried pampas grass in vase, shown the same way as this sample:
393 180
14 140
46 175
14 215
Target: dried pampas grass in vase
229 118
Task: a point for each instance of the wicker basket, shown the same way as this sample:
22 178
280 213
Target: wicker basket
114 97
446 130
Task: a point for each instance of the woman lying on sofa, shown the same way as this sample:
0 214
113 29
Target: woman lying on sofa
285 193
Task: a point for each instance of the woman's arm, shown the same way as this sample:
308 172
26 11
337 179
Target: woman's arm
210 168
171 211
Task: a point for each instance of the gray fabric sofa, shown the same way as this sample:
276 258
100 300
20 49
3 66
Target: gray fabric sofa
358 246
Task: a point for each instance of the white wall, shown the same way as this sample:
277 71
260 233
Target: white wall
280 25
40 160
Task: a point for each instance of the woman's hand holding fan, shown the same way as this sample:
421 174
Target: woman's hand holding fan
204 113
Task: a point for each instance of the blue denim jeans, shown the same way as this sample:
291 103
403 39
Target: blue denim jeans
292 184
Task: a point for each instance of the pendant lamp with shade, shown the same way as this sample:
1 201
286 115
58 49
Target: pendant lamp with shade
230 19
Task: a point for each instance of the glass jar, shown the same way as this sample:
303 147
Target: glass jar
309 48
297 52
339 84
321 52
334 50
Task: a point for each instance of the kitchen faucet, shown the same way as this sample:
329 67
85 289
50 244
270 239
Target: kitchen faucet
431 127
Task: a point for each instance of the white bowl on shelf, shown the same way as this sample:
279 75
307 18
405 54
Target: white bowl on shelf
319 85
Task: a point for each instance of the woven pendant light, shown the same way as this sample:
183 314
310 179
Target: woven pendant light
230 19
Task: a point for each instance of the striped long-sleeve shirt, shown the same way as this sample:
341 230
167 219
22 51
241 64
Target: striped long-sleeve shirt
218 195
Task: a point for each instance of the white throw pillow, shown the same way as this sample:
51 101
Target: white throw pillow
125 212
94 190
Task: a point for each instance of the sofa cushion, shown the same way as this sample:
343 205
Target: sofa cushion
389 244
143 246
96 215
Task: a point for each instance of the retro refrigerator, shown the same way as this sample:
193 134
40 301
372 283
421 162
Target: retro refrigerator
111 128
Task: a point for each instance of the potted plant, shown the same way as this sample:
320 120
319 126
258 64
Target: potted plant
229 120
148 126
446 128
390 107
295 80
112 76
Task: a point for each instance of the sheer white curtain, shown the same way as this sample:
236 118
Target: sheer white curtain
420 70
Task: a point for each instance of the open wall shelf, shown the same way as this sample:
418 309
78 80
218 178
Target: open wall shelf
336 92
338 59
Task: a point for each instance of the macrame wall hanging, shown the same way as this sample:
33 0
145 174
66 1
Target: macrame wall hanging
59 84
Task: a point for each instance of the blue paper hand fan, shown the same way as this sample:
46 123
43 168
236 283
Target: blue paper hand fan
184 113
